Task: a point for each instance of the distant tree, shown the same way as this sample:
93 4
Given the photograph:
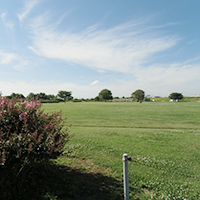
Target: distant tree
16 95
42 95
51 96
65 95
96 98
105 95
175 96
32 96
138 95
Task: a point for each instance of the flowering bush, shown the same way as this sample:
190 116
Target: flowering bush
27 134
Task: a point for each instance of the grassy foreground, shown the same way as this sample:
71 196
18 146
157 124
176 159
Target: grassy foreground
163 140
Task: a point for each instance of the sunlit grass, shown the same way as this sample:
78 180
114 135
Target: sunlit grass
161 135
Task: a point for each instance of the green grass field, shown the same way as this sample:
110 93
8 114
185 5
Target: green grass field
162 138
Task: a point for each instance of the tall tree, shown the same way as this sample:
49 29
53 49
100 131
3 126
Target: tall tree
138 95
105 95
65 95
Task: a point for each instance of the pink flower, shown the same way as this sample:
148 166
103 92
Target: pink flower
38 103
22 116
2 100
4 111
31 105
23 104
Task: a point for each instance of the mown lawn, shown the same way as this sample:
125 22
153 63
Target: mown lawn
163 140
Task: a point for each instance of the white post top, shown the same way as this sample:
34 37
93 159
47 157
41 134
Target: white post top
125 157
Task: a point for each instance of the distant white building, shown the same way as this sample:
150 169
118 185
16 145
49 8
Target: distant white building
173 100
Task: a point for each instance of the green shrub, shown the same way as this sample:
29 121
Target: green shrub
27 134
50 101
76 100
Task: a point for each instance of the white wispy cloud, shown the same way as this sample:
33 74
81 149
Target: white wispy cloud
16 60
173 74
33 49
6 58
127 49
49 87
21 65
29 5
122 48
156 80
7 23
95 82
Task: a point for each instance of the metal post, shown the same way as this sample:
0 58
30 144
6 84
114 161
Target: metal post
125 174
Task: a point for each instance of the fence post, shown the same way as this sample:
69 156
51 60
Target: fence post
125 175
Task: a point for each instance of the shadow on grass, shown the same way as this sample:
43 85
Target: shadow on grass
48 181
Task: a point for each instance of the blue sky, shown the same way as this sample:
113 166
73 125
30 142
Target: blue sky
86 46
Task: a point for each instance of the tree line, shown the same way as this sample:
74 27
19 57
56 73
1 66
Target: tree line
137 95
61 96
104 95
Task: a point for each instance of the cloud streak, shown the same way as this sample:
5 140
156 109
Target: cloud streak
28 7
95 82
17 61
129 48
6 22
49 87
156 80
123 48
6 58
